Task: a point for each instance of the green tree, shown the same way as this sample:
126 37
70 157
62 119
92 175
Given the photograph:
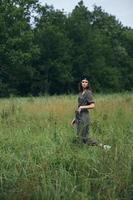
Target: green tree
43 50
54 66
16 46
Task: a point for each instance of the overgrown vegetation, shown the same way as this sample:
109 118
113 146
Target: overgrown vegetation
39 161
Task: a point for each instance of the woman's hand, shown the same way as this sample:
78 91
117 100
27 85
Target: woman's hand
73 122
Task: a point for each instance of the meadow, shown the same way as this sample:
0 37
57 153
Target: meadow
38 160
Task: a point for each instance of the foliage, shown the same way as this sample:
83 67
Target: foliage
39 160
43 50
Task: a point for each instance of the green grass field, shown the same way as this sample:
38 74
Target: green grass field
39 161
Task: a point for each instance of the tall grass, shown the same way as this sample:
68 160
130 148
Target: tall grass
39 161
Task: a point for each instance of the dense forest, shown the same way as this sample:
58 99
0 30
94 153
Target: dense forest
46 51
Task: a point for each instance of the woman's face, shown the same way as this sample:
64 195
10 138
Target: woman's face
84 84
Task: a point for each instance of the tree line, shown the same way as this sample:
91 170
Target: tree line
46 51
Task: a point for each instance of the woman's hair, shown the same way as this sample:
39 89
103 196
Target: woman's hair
81 88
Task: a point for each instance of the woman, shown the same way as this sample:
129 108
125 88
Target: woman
82 117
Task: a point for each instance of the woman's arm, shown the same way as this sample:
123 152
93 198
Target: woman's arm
91 106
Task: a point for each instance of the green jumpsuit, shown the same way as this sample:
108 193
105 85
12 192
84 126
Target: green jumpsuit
82 119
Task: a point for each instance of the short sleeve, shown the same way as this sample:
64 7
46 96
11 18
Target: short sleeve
90 97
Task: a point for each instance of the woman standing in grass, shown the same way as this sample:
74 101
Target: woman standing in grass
82 116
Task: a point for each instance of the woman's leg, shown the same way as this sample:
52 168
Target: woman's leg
85 132
84 129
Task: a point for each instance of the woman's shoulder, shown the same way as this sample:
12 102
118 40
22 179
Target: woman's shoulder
88 91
